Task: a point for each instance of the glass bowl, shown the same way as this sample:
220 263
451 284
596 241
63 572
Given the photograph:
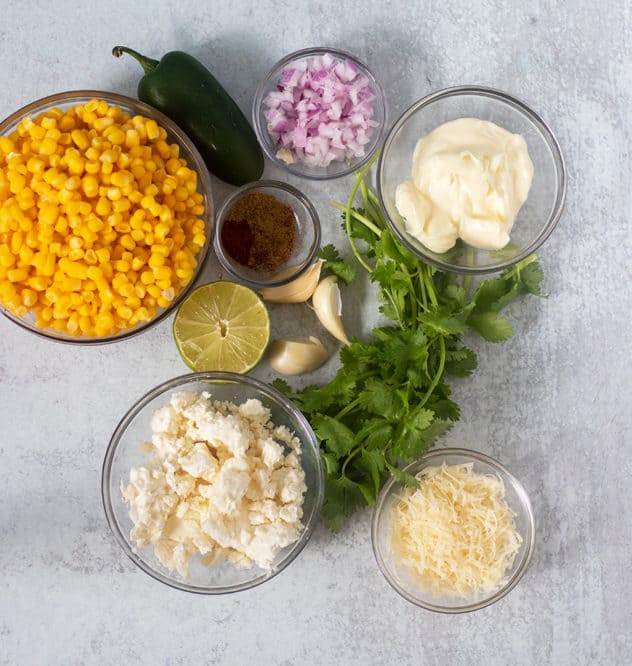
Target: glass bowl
402 581
305 246
539 214
125 451
335 169
188 151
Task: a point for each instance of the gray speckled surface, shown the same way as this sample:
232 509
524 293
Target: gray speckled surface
552 403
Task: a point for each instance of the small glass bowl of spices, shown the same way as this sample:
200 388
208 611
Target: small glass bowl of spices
267 234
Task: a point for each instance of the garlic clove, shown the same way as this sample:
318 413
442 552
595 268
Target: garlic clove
328 307
297 291
294 357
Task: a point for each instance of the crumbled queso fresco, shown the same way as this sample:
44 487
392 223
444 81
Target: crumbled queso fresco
224 482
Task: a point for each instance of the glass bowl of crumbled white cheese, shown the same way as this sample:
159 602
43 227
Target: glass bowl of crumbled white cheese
213 482
458 540
471 180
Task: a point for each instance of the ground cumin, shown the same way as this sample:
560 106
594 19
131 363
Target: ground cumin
259 232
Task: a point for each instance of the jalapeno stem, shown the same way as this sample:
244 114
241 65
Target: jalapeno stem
148 64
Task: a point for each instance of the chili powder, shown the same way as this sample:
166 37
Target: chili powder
259 232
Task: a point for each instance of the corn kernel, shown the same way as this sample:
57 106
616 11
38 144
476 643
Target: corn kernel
76 270
122 266
94 272
126 290
151 127
70 284
90 185
100 124
156 260
103 255
137 263
80 138
38 283
17 274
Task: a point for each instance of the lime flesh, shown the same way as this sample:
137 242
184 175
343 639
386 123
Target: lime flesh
222 326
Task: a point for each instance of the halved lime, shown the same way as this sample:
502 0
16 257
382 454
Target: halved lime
222 326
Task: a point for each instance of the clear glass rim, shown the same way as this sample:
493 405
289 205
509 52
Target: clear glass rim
205 187
272 185
529 537
549 137
219 377
262 132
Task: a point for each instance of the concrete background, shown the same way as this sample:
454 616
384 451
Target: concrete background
552 403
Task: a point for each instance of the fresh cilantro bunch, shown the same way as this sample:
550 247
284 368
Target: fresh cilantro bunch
390 400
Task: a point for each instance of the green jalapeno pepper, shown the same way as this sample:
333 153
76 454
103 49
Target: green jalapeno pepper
185 91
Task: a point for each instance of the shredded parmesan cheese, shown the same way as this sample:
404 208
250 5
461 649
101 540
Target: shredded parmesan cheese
455 534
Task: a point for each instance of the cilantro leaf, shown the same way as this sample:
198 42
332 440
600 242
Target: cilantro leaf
282 386
492 293
491 326
403 477
410 441
455 293
359 231
531 277
444 321
376 433
320 398
331 462
373 462
342 497
379 399
446 409
460 362
403 354
333 262
337 437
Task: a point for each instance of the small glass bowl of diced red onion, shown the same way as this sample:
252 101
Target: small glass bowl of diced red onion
320 113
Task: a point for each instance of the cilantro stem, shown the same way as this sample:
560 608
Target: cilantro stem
352 454
371 203
429 282
374 200
349 407
422 290
359 180
358 216
438 374
413 300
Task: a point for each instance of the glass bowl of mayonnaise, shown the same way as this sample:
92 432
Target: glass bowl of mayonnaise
471 180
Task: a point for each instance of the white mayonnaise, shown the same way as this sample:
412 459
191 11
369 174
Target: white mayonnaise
469 179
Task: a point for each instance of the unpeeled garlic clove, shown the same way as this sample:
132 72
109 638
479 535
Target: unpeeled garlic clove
328 307
294 357
297 291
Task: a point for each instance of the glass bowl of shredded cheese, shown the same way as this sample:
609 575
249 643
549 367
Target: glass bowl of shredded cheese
459 541
106 216
213 482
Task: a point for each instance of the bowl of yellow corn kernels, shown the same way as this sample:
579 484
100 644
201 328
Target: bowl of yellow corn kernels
106 216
